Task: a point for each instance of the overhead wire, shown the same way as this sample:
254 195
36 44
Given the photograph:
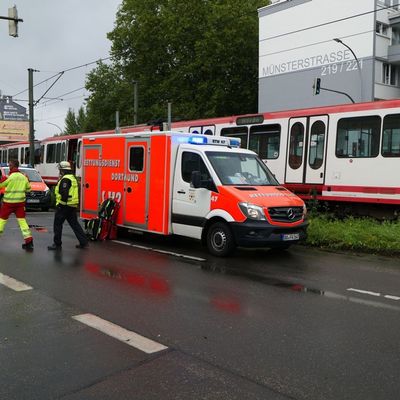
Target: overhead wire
329 22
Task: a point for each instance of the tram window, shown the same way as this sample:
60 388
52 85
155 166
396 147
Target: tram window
203 129
136 159
63 155
12 154
358 137
51 153
58 153
296 145
317 144
41 154
78 155
37 154
265 141
26 157
239 132
391 136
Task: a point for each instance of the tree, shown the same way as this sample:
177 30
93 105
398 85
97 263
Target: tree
81 120
71 125
202 55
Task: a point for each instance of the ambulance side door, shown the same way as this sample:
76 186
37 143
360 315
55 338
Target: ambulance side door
136 182
91 180
190 205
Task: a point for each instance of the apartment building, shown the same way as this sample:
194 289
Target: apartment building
353 47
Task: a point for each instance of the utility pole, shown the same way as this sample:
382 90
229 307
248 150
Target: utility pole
31 119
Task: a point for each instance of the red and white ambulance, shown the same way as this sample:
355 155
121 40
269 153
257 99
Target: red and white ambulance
202 187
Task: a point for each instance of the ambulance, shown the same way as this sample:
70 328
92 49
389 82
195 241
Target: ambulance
197 186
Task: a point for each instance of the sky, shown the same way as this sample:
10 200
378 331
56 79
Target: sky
55 35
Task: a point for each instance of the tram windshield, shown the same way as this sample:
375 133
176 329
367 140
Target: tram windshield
241 169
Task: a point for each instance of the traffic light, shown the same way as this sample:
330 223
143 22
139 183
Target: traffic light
13 21
317 86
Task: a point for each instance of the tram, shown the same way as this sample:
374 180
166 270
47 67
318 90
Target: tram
343 154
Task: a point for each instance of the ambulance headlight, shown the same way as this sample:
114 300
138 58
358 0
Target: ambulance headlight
252 211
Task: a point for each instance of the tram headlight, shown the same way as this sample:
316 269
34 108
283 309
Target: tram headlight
252 211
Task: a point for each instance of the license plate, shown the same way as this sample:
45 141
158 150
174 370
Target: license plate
291 236
32 200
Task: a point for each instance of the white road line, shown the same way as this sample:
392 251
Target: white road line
386 296
390 297
128 337
364 292
171 253
13 283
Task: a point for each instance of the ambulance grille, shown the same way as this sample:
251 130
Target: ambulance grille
285 214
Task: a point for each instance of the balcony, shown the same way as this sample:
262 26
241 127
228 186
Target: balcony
394 54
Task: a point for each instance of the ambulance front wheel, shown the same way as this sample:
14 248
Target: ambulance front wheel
220 240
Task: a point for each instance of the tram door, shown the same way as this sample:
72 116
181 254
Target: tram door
305 161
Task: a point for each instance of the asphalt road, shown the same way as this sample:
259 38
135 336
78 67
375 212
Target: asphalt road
302 324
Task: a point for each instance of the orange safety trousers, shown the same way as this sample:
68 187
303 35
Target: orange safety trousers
19 210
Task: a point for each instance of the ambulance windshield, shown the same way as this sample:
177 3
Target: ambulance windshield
240 169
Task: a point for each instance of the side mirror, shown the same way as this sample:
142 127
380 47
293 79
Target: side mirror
195 179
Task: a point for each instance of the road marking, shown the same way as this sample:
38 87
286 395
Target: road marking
376 294
13 283
390 297
171 253
364 292
128 337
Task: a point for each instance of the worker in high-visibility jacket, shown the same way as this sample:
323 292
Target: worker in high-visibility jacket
16 186
67 202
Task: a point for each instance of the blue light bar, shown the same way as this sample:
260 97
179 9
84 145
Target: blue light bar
198 140
234 142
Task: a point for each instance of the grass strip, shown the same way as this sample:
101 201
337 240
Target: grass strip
358 234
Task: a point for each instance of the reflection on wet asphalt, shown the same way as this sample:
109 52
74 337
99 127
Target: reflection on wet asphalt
296 287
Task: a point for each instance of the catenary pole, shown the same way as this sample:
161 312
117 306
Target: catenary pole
31 119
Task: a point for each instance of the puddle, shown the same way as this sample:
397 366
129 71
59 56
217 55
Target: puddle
270 281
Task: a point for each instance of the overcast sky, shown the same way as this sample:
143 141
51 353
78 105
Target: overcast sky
55 35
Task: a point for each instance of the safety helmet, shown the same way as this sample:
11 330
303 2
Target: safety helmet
64 165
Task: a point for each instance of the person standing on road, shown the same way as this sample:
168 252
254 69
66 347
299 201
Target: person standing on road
14 199
67 202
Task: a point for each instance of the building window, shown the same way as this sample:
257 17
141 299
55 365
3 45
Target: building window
388 3
390 74
395 36
382 29
358 137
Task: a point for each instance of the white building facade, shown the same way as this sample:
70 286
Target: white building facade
352 46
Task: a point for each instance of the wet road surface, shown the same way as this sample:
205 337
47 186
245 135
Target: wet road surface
302 324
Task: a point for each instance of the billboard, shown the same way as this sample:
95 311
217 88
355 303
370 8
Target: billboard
14 130
14 124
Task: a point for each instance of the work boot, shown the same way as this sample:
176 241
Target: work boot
28 246
54 247
82 246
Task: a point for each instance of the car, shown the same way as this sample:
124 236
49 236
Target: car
39 196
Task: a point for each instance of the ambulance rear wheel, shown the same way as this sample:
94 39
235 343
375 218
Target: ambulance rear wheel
220 241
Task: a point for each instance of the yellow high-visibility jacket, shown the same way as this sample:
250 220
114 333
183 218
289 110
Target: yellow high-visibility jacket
17 184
